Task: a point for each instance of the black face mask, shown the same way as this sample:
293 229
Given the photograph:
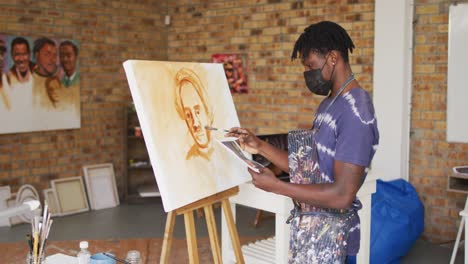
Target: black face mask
316 83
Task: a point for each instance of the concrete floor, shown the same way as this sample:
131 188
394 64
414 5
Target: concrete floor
424 252
133 221
148 221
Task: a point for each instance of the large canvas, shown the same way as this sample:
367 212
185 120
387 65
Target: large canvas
40 84
175 101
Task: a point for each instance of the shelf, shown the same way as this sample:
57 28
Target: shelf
138 170
457 183
142 167
149 191
134 137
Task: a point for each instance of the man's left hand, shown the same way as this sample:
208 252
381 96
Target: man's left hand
265 180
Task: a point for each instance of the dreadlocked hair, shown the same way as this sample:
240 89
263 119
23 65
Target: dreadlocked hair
323 37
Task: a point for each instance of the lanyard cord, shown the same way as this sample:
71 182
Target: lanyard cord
350 78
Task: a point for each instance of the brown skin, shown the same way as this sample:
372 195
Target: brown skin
68 59
46 66
46 60
348 177
20 54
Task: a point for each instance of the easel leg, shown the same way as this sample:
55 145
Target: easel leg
187 211
191 237
232 231
167 242
213 233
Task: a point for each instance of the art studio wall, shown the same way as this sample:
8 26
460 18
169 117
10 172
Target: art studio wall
276 102
109 32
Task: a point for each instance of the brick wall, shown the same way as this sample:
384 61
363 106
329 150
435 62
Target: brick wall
109 32
266 30
431 156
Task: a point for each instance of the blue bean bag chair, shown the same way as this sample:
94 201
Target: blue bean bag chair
397 221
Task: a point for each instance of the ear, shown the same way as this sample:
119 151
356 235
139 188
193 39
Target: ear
334 56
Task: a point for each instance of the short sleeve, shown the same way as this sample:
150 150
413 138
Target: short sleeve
357 134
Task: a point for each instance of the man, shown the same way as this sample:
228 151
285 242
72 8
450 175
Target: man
20 80
45 52
5 101
70 94
46 82
329 163
21 71
192 107
68 57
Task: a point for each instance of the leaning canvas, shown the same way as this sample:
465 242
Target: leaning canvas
175 101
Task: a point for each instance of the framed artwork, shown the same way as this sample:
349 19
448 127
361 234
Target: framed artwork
235 68
51 199
39 84
178 105
101 186
70 195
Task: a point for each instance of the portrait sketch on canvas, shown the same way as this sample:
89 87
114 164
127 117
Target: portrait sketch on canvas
194 108
175 102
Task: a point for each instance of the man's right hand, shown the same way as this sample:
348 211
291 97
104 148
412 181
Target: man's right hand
247 139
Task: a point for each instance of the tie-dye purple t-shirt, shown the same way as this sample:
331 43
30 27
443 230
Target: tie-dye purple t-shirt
348 133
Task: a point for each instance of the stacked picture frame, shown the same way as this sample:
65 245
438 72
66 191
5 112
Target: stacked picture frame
95 191
70 196
101 186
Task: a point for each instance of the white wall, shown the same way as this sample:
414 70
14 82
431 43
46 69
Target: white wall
392 85
457 92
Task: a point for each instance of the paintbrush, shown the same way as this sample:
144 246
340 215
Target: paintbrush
114 258
30 245
224 130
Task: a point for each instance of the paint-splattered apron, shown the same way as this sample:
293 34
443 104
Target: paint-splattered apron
318 235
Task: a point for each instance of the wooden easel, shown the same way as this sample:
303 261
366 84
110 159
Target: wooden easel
207 205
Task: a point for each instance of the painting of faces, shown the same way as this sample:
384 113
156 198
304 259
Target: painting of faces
177 103
40 84
235 68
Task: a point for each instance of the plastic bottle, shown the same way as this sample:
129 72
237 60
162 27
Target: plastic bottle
84 255
133 257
